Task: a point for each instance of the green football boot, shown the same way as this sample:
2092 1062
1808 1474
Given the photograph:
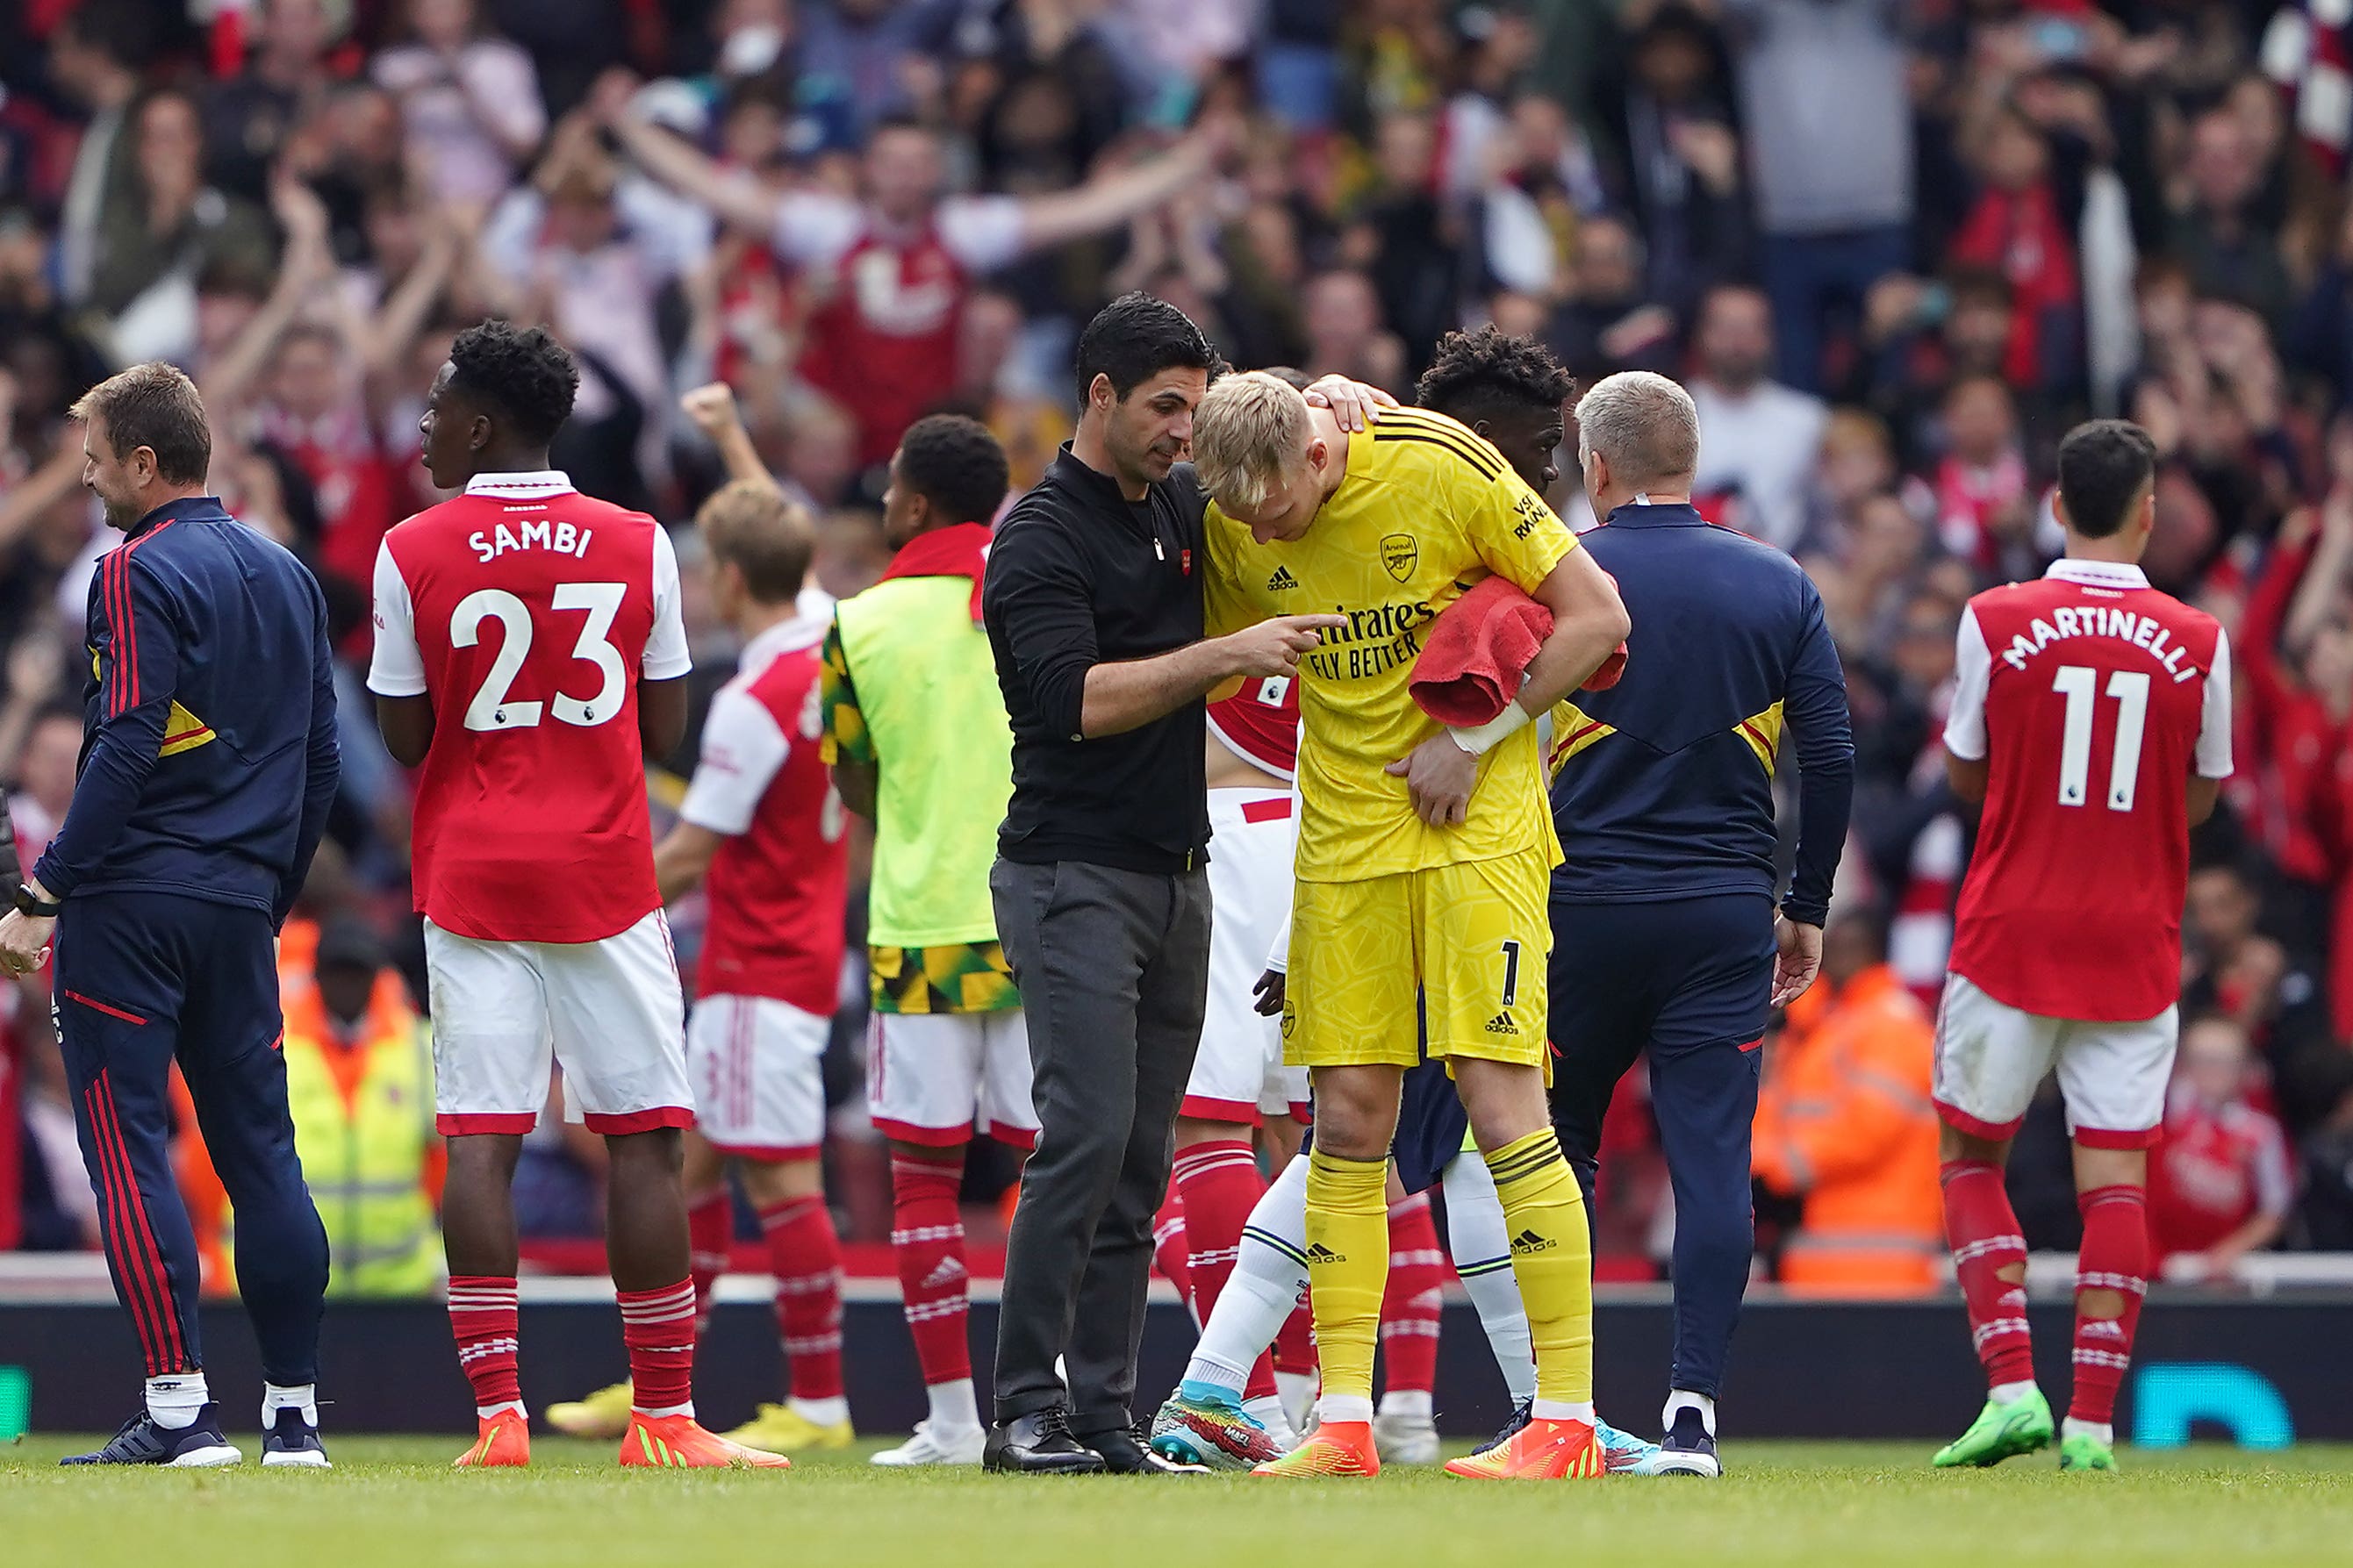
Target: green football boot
2081 1451
2000 1432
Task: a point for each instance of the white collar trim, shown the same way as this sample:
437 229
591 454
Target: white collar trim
785 636
544 482
2099 574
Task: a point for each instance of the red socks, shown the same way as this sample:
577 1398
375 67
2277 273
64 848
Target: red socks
805 1258
1218 1184
1171 1251
482 1313
1982 1231
2115 1256
927 1243
658 1328
1415 1296
710 1231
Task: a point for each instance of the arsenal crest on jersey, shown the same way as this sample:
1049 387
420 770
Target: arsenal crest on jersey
1398 552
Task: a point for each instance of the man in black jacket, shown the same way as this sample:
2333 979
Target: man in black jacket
1093 607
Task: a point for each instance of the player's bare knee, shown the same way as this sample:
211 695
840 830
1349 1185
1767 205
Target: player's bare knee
1504 1101
660 1150
1357 1111
772 1181
1197 1130
1952 1144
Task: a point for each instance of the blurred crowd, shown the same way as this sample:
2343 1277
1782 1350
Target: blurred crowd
1895 247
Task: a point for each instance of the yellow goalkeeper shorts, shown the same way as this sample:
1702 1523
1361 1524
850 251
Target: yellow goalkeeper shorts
1474 937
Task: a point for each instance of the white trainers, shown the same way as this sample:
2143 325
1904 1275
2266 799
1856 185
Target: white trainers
930 1445
1406 1439
1269 1413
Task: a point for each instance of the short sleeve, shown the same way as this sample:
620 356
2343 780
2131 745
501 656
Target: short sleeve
1965 728
2214 719
397 668
1227 604
845 737
815 229
666 656
1508 524
983 233
743 747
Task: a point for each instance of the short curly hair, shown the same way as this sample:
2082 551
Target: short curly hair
1476 373
521 372
955 464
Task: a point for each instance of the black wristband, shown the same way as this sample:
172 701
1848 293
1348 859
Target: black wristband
29 903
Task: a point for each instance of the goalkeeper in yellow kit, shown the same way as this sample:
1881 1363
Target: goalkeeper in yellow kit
1424 859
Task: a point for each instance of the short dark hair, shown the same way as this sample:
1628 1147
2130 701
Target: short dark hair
523 374
2104 466
764 536
1474 374
956 465
153 406
1133 339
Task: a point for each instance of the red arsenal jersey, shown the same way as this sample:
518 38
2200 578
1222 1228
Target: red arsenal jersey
527 613
1260 724
776 885
2215 1168
2093 697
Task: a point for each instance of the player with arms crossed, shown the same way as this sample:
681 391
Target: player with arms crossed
530 653
1405 882
2093 718
914 726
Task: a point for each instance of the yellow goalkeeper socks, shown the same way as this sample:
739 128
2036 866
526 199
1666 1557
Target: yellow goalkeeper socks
1347 1270
1552 1258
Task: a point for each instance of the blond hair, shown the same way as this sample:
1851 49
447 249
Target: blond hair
1250 430
765 536
1644 424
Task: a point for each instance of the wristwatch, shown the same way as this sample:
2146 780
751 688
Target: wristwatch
30 903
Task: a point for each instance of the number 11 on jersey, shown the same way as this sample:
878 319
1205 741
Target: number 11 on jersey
2078 683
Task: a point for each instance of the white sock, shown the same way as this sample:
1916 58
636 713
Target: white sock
952 1409
172 1402
1562 1410
1344 1407
2103 1431
824 1412
661 1412
1411 1403
1270 1270
276 1398
1482 1248
1297 1392
1684 1399
2010 1393
1267 1411
484 1412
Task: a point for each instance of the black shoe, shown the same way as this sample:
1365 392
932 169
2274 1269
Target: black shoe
292 1441
1039 1443
200 1445
1687 1449
1521 1414
1128 1451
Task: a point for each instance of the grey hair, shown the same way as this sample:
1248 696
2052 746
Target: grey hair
1644 424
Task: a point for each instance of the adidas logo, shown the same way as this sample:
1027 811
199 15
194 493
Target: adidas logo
1529 1241
1319 1253
1281 579
1501 1024
948 1271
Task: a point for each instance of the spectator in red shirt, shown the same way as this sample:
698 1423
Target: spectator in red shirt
2220 1182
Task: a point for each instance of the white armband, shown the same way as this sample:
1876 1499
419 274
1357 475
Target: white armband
1483 738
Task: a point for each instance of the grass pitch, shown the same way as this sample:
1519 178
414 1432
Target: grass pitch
393 1501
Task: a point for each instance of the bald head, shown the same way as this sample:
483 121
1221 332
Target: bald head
1643 426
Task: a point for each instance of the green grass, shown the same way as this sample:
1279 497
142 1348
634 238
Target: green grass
394 1502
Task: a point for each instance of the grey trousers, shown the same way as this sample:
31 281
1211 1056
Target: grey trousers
1113 968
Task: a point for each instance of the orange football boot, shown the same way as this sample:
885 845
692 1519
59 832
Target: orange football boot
504 1439
1335 1449
678 1442
1539 1451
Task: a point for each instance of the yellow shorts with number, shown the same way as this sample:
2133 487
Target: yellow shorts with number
1474 937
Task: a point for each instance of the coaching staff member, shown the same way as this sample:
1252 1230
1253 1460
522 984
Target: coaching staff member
208 762
1664 937
1092 601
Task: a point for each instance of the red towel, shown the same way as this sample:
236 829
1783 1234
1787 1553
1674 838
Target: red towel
959 550
1479 650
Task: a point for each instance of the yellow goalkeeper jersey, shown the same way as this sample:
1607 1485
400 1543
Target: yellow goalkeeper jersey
1427 510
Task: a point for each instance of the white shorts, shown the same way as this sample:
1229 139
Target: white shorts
1991 1056
941 1079
1239 1074
609 1013
759 1087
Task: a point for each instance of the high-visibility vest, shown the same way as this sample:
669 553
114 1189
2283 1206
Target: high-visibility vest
365 1130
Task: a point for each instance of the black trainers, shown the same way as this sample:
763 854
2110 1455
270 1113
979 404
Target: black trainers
1039 1443
1128 1451
294 1442
199 1446
1688 1449
1521 1414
